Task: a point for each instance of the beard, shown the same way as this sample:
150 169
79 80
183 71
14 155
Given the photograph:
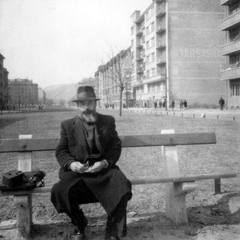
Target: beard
89 117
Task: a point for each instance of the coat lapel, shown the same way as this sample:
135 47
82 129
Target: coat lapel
78 131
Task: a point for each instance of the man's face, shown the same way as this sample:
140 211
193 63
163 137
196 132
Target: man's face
87 110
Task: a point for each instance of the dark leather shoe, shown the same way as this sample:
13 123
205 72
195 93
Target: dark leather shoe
78 236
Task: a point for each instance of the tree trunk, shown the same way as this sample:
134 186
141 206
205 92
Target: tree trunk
120 102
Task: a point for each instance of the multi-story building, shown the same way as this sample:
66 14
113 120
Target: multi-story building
23 93
230 73
3 84
114 78
99 85
41 96
175 47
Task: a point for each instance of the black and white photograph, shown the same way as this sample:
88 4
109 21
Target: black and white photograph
120 119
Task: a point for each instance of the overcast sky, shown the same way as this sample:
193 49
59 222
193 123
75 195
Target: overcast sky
62 41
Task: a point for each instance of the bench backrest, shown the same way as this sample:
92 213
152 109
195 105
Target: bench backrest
49 144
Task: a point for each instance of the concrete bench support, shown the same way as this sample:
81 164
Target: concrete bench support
24 203
175 193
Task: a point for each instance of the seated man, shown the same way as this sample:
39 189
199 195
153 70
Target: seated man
88 151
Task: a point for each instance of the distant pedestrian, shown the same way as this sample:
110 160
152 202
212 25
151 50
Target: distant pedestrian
185 104
160 104
172 104
221 103
181 104
155 105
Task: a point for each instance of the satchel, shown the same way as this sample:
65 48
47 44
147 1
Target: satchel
17 180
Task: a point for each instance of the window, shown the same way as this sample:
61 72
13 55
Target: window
147 30
153 41
154 87
132 43
148 73
235 7
234 35
235 90
153 72
152 11
147 60
147 44
132 30
152 27
147 15
151 58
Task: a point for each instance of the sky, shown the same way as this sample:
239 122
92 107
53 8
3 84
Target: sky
55 42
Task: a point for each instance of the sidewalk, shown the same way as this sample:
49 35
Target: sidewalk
226 114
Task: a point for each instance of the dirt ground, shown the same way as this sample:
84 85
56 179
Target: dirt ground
211 217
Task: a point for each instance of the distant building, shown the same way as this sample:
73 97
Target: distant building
23 93
175 47
42 96
230 73
113 76
3 84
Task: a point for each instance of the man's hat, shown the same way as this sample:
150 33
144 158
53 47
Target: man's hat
85 93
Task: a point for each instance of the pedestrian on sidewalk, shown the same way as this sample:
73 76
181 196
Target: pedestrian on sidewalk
221 103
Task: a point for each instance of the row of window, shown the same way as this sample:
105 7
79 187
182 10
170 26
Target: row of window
153 87
235 90
156 87
150 12
151 72
150 58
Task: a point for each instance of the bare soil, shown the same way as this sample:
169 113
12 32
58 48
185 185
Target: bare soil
210 216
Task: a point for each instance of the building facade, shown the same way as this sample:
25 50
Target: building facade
23 93
42 98
114 81
175 47
230 73
4 96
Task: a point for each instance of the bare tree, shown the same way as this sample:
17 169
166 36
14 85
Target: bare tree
117 74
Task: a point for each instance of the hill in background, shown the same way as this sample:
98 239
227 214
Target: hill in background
61 92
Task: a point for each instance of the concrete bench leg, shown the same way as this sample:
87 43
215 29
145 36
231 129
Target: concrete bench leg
175 193
24 203
24 216
175 201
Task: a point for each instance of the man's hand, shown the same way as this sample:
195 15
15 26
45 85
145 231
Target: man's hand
97 167
78 167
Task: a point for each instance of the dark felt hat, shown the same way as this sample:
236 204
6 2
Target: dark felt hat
85 93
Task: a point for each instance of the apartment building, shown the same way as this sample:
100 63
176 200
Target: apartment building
23 93
3 84
175 47
230 73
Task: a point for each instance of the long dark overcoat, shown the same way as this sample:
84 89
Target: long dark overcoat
109 185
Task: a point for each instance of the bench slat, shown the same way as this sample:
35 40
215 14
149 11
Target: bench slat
137 181
24 145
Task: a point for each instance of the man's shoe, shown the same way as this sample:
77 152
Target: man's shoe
78 236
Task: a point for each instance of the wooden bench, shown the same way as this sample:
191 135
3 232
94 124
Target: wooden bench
177 185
